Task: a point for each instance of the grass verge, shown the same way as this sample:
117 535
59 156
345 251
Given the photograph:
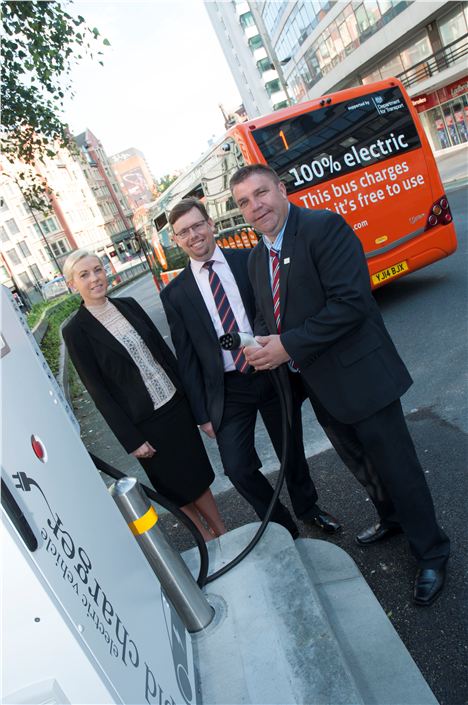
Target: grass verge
38 309
50 345
75 385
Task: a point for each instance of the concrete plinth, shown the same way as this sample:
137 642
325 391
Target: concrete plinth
296 623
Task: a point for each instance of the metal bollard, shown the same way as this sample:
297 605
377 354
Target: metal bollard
169 567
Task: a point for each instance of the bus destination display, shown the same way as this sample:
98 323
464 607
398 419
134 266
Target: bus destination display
330 142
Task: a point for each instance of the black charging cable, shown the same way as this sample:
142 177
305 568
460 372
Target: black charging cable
286 426
229 341
17 517
233 341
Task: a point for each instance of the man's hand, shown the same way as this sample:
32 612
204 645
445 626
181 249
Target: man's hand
208 429
146 450
269 356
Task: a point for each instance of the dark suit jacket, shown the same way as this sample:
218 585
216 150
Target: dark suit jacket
195 340
330 323
109 373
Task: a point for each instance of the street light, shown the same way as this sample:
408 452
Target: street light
271 52
277 65
42 234
31 211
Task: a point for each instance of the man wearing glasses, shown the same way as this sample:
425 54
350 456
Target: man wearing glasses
210 297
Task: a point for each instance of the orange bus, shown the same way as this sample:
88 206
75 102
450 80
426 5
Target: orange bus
361 152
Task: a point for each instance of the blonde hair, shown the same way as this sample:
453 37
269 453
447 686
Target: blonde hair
73 259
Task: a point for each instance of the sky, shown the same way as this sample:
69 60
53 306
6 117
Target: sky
163 78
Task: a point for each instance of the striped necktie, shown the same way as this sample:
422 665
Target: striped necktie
226 314
275 282
275 290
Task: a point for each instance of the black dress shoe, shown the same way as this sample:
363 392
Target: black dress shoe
428 585
377 533
324 521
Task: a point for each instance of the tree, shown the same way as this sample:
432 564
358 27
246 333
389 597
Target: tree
41 44
164 182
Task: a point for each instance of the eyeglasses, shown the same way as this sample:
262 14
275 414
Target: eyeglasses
196 227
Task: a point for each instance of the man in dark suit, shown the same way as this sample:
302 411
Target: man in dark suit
315 311
209 297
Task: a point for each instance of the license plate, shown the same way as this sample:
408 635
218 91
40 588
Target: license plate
393 271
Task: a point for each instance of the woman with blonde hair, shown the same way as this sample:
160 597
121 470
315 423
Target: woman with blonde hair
132 376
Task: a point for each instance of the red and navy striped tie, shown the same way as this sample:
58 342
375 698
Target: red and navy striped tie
275 283
275 290
226 314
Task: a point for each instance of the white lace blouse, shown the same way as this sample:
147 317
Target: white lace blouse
159 386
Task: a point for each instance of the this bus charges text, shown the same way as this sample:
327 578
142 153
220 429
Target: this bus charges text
370 188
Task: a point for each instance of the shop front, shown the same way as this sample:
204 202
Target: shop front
444 114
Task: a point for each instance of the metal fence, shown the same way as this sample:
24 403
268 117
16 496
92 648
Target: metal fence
127 274
442 59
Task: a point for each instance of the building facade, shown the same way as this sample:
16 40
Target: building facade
321 47
134 177
110 199
246 48
26 256
87 210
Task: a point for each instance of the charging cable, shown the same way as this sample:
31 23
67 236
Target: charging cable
233 341
228 341
167 504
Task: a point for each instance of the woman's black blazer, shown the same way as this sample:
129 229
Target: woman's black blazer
109 373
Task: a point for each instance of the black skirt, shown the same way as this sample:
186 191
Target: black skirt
180 469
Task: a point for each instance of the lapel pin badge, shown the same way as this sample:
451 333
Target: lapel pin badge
286 260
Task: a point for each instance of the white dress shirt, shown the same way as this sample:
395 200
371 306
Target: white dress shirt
229 283
276 245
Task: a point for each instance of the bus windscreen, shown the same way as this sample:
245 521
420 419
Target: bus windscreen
329 142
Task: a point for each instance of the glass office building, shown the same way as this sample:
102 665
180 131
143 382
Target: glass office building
323 46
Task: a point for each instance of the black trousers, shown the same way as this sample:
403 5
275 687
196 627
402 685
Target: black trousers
245 396
380 453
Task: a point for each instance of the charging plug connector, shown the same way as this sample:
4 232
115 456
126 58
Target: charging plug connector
236 340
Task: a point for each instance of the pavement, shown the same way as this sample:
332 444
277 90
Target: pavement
453 165
437 638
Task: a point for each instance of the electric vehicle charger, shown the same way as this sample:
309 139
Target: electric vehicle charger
167 504
228 341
